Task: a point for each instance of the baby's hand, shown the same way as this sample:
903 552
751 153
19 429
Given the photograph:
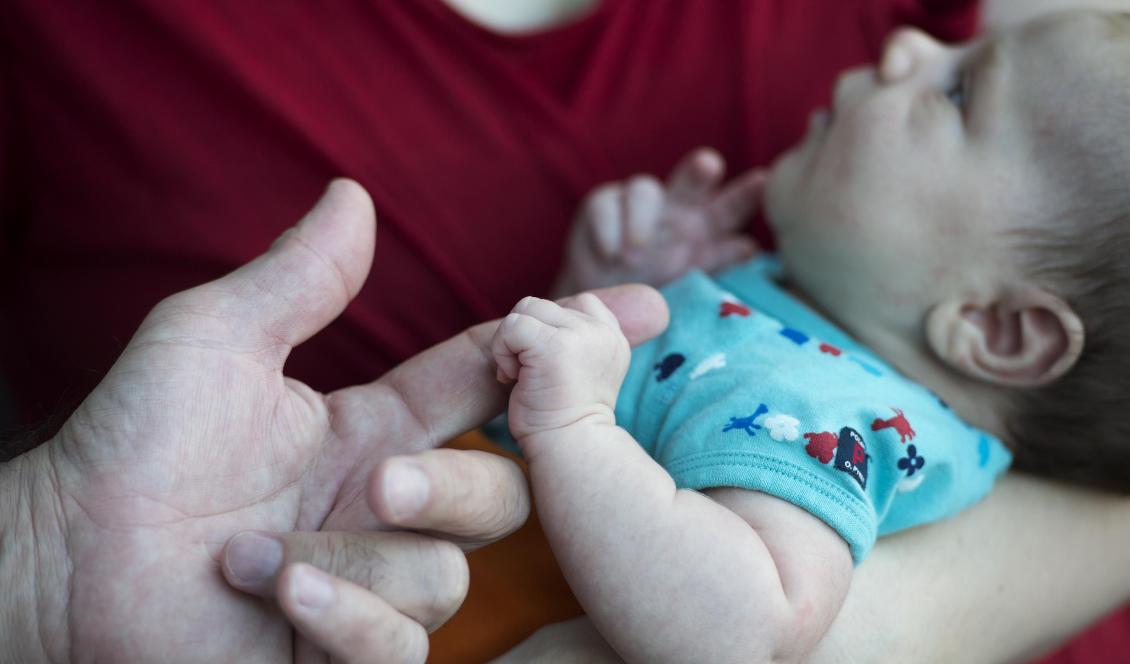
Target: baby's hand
637 230
568 361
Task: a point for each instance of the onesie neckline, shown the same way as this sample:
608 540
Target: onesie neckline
757 281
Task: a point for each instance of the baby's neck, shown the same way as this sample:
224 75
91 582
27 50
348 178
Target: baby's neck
977 403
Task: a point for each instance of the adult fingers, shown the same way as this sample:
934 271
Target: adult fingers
421 577
737 201
293 290
468 496
452 387
348 622
695 176
640 310
593 306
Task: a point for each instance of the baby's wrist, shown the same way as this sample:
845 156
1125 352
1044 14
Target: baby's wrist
588 421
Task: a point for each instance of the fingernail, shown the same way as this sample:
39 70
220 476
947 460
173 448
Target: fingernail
253 560
312 588
406 489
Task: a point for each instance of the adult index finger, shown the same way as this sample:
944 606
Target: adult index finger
451 388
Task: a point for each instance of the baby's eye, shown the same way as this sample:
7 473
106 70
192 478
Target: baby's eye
956 91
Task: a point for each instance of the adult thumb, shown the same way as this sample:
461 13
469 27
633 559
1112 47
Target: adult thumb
300 284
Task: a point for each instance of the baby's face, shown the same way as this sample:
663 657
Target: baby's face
904 195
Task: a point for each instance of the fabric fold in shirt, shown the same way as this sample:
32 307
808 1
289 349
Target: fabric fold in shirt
152 145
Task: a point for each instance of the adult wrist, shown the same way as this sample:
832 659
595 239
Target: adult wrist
34 568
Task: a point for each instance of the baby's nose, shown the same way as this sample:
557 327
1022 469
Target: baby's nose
906 51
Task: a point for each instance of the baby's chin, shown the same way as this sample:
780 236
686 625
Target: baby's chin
792 168
776 196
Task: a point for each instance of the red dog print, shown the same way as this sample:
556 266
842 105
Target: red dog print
899 423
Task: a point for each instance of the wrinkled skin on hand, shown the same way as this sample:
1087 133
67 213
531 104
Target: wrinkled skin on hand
196 434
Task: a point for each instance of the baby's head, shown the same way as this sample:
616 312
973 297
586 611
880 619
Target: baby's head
973 202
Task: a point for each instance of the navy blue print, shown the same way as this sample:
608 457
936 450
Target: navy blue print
852 456
911 463
746 423
668 366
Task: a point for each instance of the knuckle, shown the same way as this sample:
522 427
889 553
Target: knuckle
407 643
413 645
332 556
185 309
504 506
508 323
482 497
449 580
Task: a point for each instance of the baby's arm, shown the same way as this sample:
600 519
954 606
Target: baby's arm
665 574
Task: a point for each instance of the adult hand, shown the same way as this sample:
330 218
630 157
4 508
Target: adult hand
117 535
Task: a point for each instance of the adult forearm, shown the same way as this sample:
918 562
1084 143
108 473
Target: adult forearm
33 567
1002 582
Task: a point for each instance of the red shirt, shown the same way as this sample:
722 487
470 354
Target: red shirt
150 145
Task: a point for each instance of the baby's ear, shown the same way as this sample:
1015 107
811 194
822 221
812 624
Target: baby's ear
1024 338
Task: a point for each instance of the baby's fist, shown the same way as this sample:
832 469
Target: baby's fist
568 361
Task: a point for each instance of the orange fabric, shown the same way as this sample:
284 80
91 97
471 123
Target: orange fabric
516 587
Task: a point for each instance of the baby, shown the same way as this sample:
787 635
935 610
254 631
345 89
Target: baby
959 219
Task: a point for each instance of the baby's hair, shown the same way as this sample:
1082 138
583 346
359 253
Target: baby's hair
1078 428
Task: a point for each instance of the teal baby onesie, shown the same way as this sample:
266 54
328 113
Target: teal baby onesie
750 388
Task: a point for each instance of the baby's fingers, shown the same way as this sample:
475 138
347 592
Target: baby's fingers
516 333
695 177
643 205
528 326
737 201
603 214
591 305
727 251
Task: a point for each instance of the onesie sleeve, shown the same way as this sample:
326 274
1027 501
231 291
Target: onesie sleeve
732 397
